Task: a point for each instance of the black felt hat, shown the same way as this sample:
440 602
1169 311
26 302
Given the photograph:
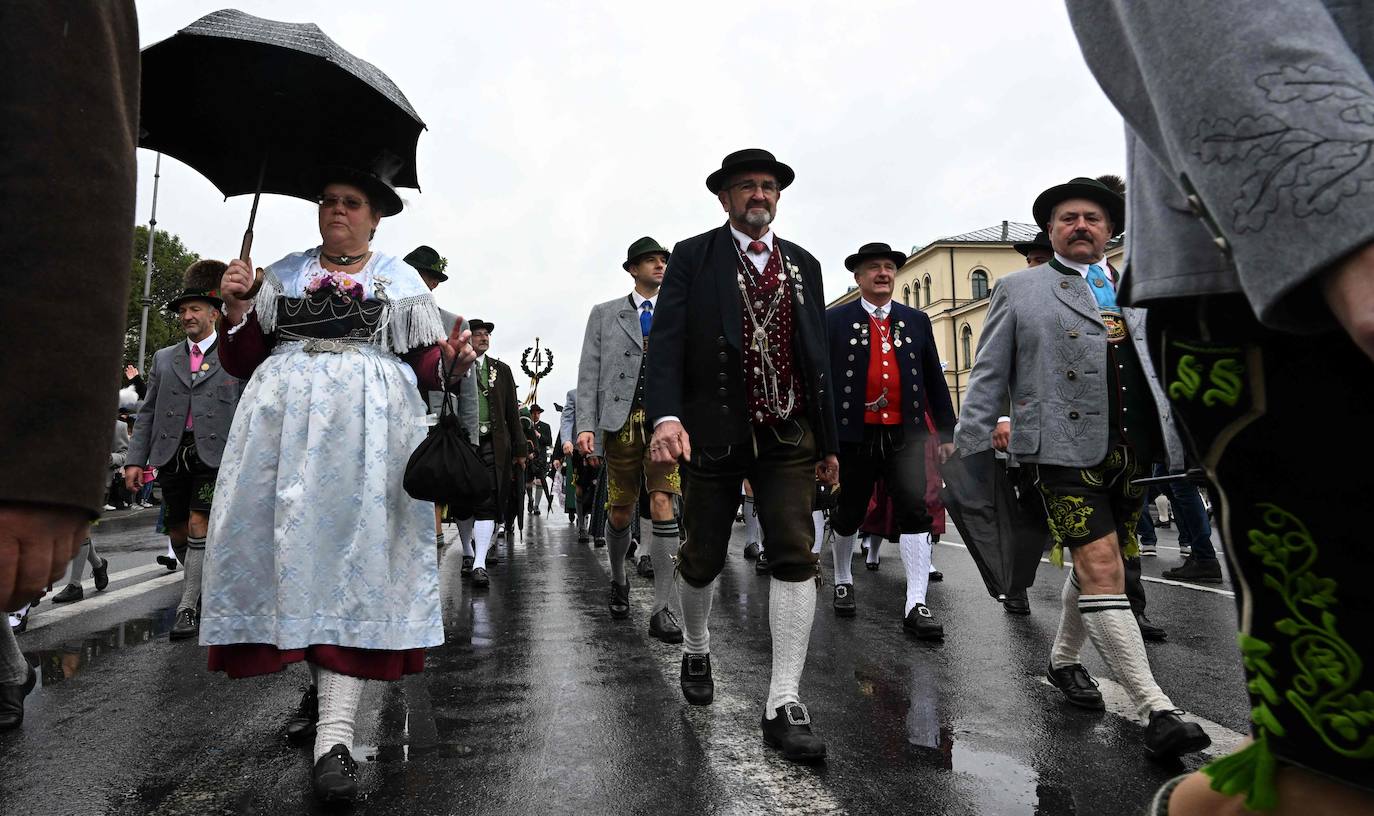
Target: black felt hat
644 246
201 282
876 250
475 325
1040 241
742 161
1081 187
536 407
374 180
426 260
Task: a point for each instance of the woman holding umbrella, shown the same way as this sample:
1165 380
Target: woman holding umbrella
318 554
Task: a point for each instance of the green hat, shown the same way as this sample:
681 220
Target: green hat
874 251
201 282
644 246
1081 187
1040 241
427 261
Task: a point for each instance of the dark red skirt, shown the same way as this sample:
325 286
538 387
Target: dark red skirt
252 659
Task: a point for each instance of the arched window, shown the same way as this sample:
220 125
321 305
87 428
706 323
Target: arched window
927 288
980 284
906 295
967 336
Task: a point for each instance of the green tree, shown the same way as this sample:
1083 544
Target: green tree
170 260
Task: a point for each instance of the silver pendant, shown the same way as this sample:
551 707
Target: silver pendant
887 347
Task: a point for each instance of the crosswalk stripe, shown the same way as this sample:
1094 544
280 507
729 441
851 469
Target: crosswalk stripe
1118 702
50 617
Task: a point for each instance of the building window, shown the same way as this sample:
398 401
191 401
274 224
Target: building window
927 288
906 295
967 336
980 284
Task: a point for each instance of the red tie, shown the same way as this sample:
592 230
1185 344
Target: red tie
758 248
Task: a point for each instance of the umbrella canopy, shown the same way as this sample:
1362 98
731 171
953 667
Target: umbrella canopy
257 105
1004 537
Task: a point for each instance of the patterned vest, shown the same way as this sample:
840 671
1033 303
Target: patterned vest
770 382
882 397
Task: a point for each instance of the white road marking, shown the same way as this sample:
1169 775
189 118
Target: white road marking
48 617
1184 584
1118 702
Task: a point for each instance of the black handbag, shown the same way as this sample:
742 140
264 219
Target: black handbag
446 468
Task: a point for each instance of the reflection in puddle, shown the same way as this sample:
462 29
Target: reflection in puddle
1004 785
61 662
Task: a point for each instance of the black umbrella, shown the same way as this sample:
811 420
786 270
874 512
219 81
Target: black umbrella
1004 534
256 106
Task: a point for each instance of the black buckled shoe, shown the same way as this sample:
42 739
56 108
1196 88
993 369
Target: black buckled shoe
618 601
936 576
664 626
167 561
697 686
1169 735
844 601
468 561
752 550
12 701
335 777
761 566
1150 631
101 575
187 624
790 732
1078 686
69 594
480 579
921 623
645 568
300 727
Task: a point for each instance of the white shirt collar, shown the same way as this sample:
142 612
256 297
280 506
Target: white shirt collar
870 308
209 341
744 240
480 357
1082 268
639 300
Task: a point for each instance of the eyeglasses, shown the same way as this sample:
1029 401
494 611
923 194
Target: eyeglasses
768 187
329 202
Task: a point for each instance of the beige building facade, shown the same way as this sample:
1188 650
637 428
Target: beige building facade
950 280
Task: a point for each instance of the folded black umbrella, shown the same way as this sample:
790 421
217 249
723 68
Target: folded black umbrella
1004 533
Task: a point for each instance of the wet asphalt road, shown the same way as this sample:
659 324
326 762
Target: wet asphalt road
539 703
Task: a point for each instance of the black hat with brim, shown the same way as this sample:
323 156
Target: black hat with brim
380 192
535 407
476 325
1040 241
743 161
876 250
427 262
644 246
211 296
1081 187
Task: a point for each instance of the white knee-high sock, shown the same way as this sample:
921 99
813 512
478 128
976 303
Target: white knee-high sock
1068 642
696 612
751 522
818 523
482 532
190 582
465 528
661 548
791 609
875 544
339 696
916 562
1114 632
842 552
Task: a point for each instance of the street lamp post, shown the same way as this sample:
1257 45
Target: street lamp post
148 269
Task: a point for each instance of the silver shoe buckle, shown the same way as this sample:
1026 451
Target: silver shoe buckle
797 714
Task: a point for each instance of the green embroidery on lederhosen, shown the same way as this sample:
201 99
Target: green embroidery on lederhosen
1067 517
1189 378
1092 477
1225 375
675 479
206 493
1324 692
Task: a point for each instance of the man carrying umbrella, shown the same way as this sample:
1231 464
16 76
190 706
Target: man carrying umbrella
887 372
1084 414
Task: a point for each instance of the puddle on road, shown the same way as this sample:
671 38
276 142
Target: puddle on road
70 658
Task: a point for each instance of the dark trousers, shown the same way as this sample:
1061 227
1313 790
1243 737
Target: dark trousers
780 465
889 453
1275 420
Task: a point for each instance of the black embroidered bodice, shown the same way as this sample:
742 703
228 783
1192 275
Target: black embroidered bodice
329 317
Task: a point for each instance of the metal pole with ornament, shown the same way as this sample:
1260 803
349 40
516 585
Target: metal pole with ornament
536 363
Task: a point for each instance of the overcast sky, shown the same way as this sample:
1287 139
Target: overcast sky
559 132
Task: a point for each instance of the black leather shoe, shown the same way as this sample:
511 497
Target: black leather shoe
1169 735
761 564
599 541
645 568
480 579
1078 686
1016 605
1149 631
300 727
69 594
618 601
335 777
630 553
664 626
187 624
12 701
697 686
101 575
790 732
844 601
583 538
752 550
921 623
167 561
466 569
1201 572
871 566
936 576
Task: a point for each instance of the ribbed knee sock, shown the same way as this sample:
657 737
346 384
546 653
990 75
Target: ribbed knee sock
818 523
842 552
482 532
14 669
1068 641
791 609
339 696
1116 635
465 528
617 544
751 522
190 582
87 556
661 548
916 561
696 611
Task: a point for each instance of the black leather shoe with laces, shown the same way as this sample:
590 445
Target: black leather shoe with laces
844 600
167 561
790 732
187 624
618 601
12 701
101 575
697 686
335 777
645 568
300 727
1169 735
480 579
1078 686
664 626
69 594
